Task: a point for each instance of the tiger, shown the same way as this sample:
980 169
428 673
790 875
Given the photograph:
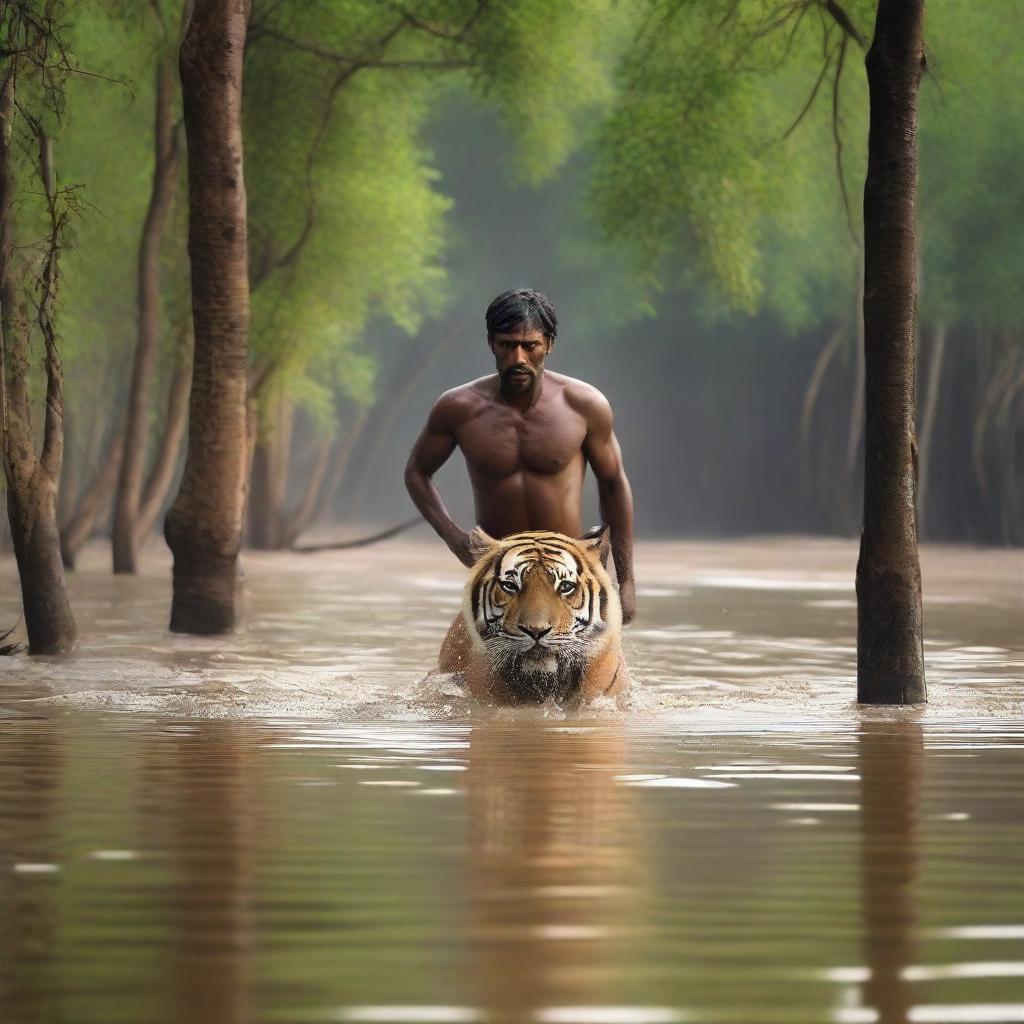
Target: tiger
540 620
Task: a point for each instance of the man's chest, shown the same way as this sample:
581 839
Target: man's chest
500 442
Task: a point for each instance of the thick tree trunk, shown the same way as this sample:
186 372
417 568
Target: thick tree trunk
204 525
161 475
890 656
32 512
31 480
80 526
125 534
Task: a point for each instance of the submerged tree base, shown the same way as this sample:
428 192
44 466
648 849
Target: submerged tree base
204 593
890 649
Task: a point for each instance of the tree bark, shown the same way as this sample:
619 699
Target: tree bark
203 527
890 655
125 536
31 480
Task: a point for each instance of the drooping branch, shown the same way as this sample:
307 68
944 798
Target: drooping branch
842 19
319 50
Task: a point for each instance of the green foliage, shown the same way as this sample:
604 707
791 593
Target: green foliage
972 148
548 67
344 220
719 166
710 158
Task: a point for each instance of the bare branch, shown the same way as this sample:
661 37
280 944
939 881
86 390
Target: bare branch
308 46
837 137
826 64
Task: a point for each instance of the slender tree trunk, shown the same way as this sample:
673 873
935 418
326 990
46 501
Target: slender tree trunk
79 528
392 409
890 655
204 525
342 460
855 425
808 477
931 406
302 514
31 480
269 482
161 475
136 433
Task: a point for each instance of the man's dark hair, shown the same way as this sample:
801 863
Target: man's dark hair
522 307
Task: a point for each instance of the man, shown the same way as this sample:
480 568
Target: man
527 435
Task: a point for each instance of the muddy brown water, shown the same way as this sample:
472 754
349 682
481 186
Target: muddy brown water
290 825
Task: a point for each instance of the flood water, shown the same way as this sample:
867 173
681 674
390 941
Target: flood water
290 824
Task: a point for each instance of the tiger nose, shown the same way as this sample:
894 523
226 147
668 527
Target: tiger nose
537 632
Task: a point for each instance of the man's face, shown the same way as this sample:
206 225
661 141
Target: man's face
519 356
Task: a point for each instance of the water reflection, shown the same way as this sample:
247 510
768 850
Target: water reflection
212 850
891 761
30 770
550 879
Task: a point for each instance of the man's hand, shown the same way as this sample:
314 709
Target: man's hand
627 598
460 548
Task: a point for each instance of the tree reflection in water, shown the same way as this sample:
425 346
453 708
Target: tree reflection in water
890 758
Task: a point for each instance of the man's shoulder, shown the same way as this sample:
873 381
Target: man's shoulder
465 399
584 398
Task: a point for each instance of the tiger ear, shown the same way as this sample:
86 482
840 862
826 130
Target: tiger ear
480 543
597 541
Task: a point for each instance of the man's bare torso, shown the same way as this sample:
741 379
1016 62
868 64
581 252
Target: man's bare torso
526 467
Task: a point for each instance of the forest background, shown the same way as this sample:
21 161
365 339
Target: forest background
683 179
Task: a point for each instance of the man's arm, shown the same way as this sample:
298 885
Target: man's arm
430 452
601 448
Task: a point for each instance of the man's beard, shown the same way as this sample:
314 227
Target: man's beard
518 382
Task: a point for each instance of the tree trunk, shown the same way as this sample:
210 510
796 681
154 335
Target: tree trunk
890 655
204 525
31 480
392 409
342 459
161 475
125 534
302 515
79 527
931 405
269 482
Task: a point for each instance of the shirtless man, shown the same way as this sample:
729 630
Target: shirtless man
527 435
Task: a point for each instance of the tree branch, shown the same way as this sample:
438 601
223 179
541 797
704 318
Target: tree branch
837 136
842 19
317 50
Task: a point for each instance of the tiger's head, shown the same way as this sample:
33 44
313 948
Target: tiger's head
540 606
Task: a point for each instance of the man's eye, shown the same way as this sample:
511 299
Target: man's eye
566 587
508 586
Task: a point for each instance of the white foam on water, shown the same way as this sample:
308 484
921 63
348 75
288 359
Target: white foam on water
409 1014
939 972
966 1013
